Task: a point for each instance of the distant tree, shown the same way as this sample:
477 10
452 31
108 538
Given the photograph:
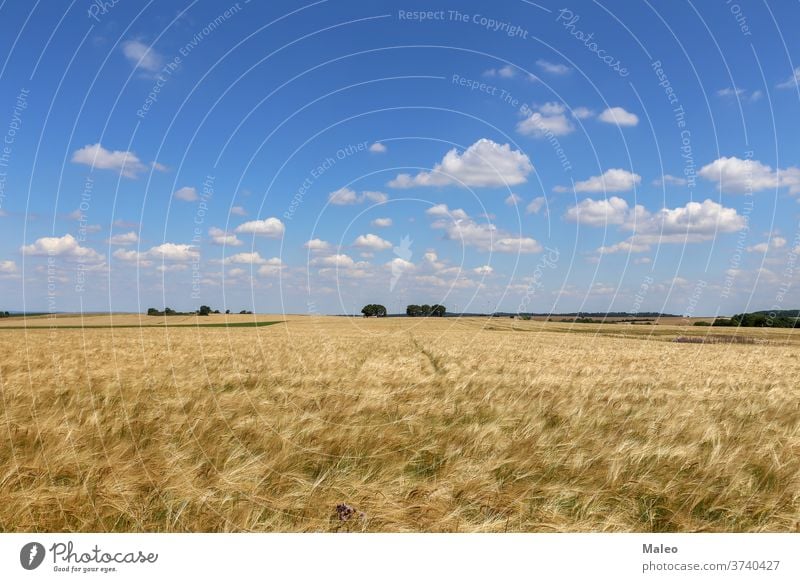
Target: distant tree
168 311
438 310
227 311
413 311
426 310
153 311
245 312
374 310
216 311
204 310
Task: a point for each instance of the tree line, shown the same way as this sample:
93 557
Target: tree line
377 310
204 310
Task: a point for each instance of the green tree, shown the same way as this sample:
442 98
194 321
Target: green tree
438 310
413 310
374 310
204 310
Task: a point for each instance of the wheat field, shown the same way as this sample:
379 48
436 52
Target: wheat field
405 425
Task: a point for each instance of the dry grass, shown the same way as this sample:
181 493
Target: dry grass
448 425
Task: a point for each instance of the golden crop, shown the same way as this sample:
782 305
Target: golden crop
462 425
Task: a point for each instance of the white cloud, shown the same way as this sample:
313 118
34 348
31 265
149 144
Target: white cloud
124 239
535 205
582 113
738 176
442 211
187 194
253 258
269 227
730 92
458 226
346 196
669 179
513 200
173 252
505 72
317 245
343 196
66 246
339 261
776 242
613 180
791 82
372 242
222 238
619 116
484 163
612 210
553 68
483 270
8 267
694 222
126 163
377 148
549 119
272 266
238 211
382 222
142 56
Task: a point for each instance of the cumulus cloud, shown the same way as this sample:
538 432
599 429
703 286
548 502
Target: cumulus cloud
549 119
669 179
483 270
738 176
317 245
377 148
272 266
791 82
382 222
590 212
66 246
483 164
124 239
269 227
187 194
535 205
346 197
341 261
776 242
222 238
372 242
694 222
238 211
142 56
513 200
613 180
127 164
172 252
582 113
8 267
484 236
504 72
552 68
618 116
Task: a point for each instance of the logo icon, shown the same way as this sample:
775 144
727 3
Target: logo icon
31 555
401 263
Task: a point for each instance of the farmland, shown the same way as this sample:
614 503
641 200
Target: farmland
443 424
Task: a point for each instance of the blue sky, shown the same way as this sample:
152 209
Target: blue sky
314 157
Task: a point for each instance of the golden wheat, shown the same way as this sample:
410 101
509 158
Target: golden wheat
419 425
